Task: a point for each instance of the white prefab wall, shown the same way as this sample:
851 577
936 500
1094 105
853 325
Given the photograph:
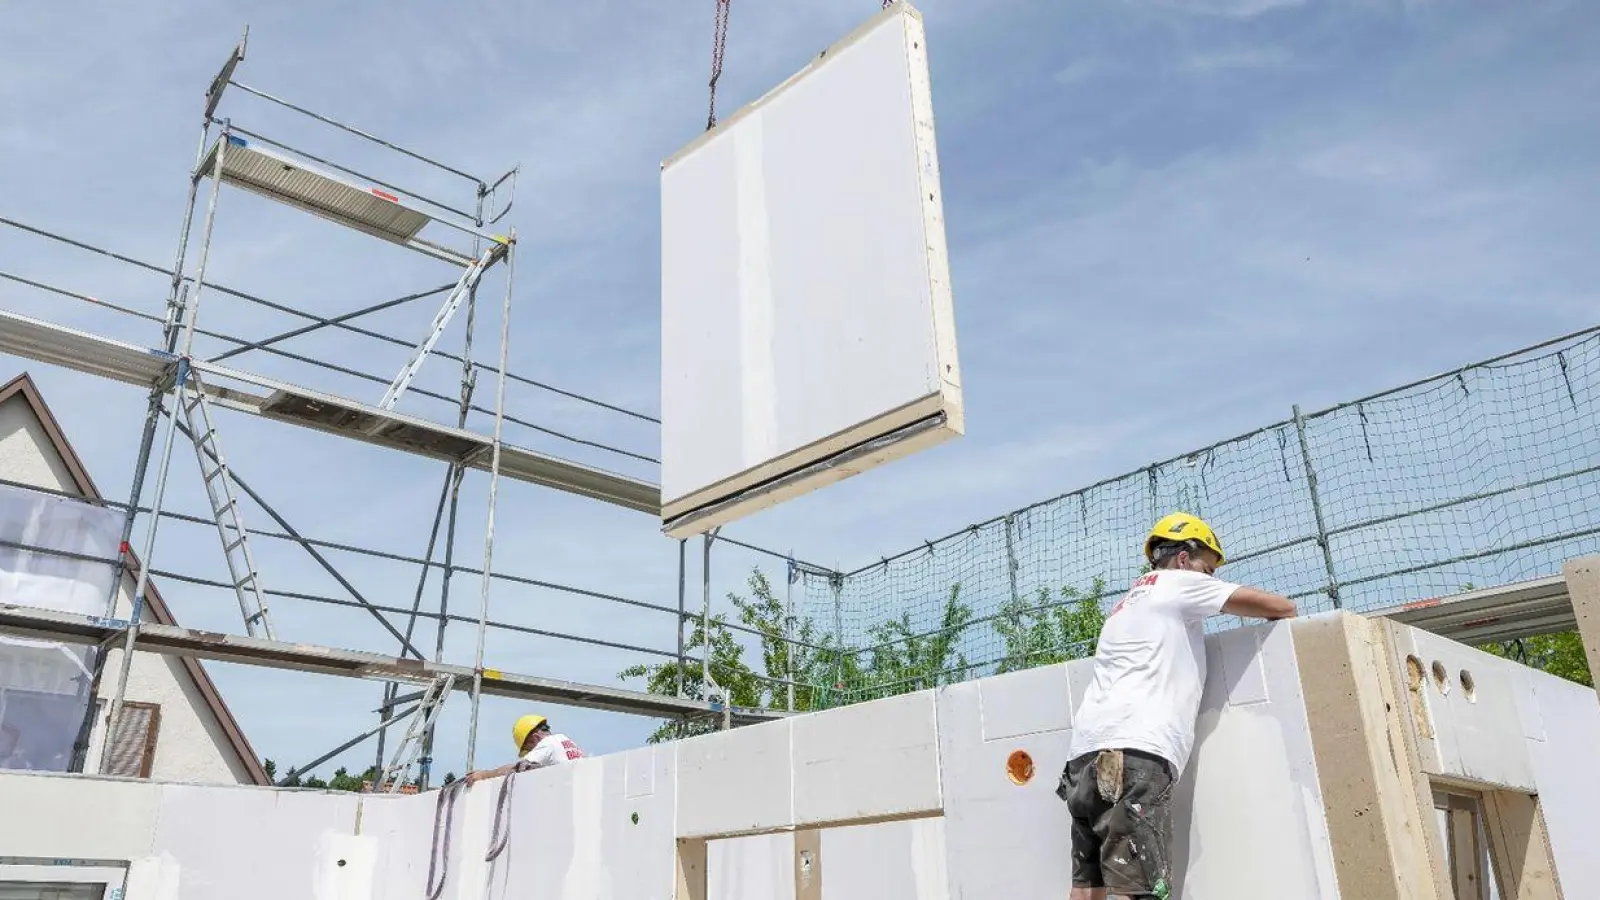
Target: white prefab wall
1249 813
805 290
1517 728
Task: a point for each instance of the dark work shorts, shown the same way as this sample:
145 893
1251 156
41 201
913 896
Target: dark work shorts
1121 822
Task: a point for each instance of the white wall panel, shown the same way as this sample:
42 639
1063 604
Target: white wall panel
1250 800
1003 839
402 826
1477 734
867 760
218 836
805 290
735 781
1564 763
751 868
886 861
91 818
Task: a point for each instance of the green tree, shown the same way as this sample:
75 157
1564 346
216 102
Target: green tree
823 672
1038 631
902 660
1558 654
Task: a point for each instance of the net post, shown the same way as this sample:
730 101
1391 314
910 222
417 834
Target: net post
1316 508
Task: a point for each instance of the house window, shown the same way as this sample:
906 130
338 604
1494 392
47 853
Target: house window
40 890
132 751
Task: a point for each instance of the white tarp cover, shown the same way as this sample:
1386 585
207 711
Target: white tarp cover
44 685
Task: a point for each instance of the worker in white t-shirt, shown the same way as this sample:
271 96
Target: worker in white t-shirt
1135 728
538 746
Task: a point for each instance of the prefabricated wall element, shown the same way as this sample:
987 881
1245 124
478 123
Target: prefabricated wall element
1583 587
1520 739
1320 770
808 330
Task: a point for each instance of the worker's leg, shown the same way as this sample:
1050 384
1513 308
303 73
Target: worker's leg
1078 789
1135 855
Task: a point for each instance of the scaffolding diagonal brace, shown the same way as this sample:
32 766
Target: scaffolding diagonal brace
441 320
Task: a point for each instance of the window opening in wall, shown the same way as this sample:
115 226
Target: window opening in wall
1460 820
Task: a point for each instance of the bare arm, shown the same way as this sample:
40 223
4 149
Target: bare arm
1249 601
486 774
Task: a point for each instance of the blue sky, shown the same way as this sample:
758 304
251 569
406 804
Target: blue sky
1167 223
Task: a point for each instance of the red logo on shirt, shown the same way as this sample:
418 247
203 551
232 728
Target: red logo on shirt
572 750
1143 581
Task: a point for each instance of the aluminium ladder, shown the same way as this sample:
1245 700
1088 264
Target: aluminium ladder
246 578
410 747
466 285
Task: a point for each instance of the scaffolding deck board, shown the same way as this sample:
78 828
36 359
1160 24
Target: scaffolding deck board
131 364
205 645
286 179
1508 612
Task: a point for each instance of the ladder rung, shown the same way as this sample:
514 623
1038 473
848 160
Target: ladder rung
219 510
215 471
229 548
240 583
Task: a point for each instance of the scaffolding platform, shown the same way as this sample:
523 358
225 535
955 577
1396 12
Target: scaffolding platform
280 176
1491 615
131 364
175 640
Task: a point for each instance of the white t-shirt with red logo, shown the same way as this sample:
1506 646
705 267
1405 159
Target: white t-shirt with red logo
1150 668
553 750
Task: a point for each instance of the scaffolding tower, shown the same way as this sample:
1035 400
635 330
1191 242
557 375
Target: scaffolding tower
185 391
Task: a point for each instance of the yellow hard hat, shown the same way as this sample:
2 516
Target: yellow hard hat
1181 526
523 727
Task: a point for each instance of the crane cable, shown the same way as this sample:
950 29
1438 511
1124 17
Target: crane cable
719 46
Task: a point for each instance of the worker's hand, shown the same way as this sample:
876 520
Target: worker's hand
472 778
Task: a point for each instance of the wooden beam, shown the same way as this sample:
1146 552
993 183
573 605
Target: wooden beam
1520 846
691 870
808 864
1385 843
1583 586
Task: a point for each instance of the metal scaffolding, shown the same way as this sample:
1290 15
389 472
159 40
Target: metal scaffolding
186 391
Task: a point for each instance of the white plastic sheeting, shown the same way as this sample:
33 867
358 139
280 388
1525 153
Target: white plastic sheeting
44 685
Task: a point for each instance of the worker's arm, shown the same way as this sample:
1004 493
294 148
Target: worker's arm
475 777
1249 601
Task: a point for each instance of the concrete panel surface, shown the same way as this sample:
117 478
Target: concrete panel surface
67 816
1033 701
886 861
1471 702
867 760
402 826
1250 801
220 836
752 868
1569 779
1003 839
735 781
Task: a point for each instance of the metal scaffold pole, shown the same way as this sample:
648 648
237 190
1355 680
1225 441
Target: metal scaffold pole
189 313
683 619
494 487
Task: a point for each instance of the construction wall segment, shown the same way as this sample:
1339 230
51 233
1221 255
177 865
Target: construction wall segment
1321 768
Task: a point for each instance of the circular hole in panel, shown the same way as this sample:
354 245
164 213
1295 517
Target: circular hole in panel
1019 767
1441 678
1469 687
1414 672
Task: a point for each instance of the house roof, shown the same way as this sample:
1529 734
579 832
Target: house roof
23 386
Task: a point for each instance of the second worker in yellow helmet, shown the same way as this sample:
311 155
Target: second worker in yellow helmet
537 746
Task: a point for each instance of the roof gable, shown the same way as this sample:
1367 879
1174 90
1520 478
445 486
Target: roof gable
22 386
